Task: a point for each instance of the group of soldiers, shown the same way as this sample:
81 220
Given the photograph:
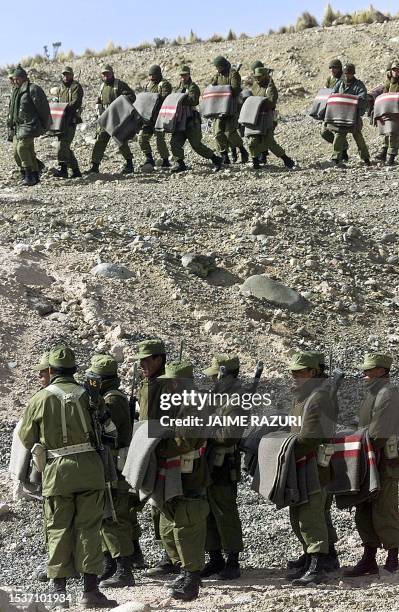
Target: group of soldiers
29 115
205 517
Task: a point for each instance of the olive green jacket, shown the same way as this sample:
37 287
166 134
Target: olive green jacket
109 92
30 111
232 78
391 86
117 404
354 88
193 93
148 397
163 88
267 90
332 81
42 423
72 95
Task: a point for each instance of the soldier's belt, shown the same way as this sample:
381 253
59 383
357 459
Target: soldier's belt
74 449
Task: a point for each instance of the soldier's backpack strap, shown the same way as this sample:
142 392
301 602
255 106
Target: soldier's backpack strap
64 398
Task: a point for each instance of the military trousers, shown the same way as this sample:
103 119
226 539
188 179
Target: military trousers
226 134
308 522
377 520
73 524
193 134
24 153
183 531
391 142
332 532
341 144
224 531
135 506
145 135
260 143
100 145
117 537
64 153
328 135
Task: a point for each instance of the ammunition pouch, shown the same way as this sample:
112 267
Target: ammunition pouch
39 456
324 454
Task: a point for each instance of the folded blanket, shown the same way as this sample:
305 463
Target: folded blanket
147 105
119 120
217 101
342 110
20 457
173 115
319 105
255 117
58 113
386 104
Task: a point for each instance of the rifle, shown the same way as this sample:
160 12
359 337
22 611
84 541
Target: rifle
92 385
133 397
181 349
257 375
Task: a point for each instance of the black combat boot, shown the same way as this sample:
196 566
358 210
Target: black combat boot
299 571
36 174
30 179
391 562
215 564
137 556
188 589
332 561
288 162
367 162
76 173
225 158
40 165
315 572
165 566
234 155
179 167
94 168
59 599
231 570
382 155
255 163
165 163
244 155
109 567
391 160
367 565
217 162
149 160
62 171
22 173
92 596
123 576
128 168
345 156
298 563
263 157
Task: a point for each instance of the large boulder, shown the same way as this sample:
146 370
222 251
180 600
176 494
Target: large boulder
262 287
110 270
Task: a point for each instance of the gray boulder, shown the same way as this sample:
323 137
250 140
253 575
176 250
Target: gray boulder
109 270
276 293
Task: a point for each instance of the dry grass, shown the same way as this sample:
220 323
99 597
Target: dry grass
305 21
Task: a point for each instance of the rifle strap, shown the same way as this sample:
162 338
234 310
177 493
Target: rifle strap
65 397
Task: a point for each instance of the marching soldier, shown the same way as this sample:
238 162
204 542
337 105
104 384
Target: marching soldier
390 148
71 93
377 520
226 128
264 86
116 535
254 66
312 402
29 118
335 66
348 84
192 132
57 423
156 84
111 89
224 531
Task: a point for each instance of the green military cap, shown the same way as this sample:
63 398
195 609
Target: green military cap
395 64
20 72
349 68
301 361
61 356
106 68
43 363
261 71
178 369
257 64
230 361
146 348
185 70
220 61
321 358
104 365
67 70
154 70
376 360
335 63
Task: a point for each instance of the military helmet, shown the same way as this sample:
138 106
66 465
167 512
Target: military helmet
61 356
155 70
185 70
303 360
335 63
104 365
178 369
67 70
147 348
376 360
43 363
261 71
257 64
349 68
230 361
220 61
20 72
106 68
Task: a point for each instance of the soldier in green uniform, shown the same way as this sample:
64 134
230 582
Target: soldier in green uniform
254 66
58 418
224 532
335 66
192 131
183 518
116 535
156 84
313 403
348 84
226 128
29 118
111 88
264 86
390 148
377 520
69 92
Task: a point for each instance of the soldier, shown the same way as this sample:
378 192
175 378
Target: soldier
116 535
183 519
71 93
224 532
391 141
111 89
348 84
377 520
264 86
336 74
29 118
254 66
192 131
156 84
313 403
226 128
58 418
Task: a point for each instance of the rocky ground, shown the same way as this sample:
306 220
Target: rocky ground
329 234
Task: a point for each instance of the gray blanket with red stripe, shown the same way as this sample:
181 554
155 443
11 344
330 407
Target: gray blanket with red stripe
119 120
58 114
342 110
218 101
386 113
319 105
173 115
147 105
256 119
